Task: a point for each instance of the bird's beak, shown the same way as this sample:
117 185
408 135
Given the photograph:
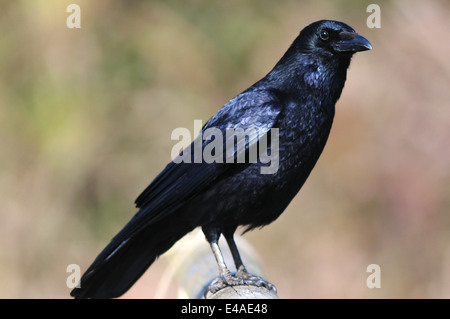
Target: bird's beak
355 44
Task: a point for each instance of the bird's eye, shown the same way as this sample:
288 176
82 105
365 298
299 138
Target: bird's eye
324 35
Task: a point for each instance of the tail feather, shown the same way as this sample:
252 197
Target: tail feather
123 262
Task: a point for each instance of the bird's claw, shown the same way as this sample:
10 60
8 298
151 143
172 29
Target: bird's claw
253 280
240 278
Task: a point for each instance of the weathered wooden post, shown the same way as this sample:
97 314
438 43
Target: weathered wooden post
194 266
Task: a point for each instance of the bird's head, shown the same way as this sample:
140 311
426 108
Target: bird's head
329 39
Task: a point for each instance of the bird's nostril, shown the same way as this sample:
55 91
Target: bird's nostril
344 35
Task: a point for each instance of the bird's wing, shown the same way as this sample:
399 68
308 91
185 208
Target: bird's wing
179 182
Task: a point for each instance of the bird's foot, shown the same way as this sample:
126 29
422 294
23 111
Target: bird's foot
253 280
241 278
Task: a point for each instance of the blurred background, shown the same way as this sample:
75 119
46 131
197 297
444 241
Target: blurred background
86 117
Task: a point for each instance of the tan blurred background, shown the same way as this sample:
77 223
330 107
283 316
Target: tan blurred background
86 116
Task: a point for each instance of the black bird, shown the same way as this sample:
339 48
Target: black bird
297 97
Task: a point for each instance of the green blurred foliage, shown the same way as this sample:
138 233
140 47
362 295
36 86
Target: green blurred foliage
86 116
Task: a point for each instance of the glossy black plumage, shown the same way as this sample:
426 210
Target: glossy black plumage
298 98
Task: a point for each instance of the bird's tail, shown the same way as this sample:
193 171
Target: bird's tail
126 258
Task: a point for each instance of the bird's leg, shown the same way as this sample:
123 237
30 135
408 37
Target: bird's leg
212 235
225 273
226 278
240 268
245 278
242 276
